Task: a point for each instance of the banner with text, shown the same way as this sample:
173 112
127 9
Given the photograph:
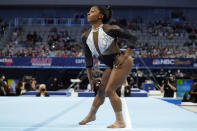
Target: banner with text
79 62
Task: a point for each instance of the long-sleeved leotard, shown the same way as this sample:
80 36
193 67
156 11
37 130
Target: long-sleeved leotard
107 43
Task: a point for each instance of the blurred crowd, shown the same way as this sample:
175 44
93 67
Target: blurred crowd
62 44
59 44
3 27
168 51
26 84
164 28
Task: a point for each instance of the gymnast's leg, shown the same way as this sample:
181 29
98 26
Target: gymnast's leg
99 99
117 77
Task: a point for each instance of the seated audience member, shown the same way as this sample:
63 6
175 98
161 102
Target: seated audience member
28 85
20 88
132 83
42 91
33 84
6 88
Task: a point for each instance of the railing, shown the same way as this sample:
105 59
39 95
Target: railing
49 21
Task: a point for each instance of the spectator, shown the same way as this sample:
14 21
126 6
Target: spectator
33 84
179 73
7 90
3 89
20 88
42 91
61 44
28 85
132 83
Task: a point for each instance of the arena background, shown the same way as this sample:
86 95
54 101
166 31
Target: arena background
41 40
158 23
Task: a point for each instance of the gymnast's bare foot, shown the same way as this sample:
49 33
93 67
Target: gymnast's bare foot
117 124
87 119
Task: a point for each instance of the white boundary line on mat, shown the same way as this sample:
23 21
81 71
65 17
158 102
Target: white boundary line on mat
18 127
128 119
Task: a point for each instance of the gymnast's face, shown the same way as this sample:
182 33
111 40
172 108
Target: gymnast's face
94 15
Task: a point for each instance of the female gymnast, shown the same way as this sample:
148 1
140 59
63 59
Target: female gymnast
101 40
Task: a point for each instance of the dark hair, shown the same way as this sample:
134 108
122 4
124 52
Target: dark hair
1 75
106 11
19 84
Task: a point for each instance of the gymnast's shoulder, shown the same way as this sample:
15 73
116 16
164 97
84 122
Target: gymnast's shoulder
111 27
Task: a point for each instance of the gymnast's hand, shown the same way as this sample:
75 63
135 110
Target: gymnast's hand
120 60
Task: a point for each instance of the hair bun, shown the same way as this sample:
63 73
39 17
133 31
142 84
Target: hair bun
106 11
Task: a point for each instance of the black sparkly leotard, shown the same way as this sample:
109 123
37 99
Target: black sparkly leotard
107 49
